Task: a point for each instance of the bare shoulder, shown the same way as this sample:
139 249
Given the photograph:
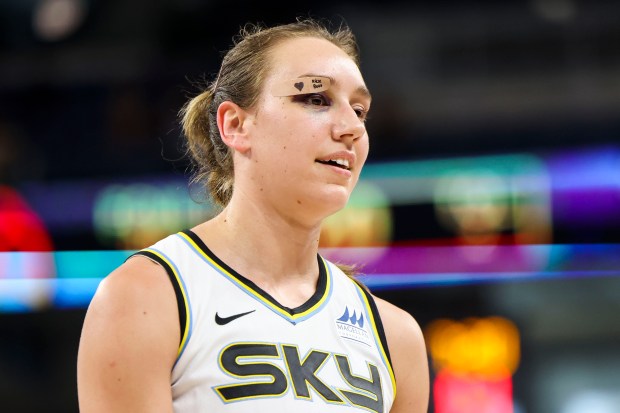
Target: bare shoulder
129 340
138 279
138 290
402 331
409 360
401 321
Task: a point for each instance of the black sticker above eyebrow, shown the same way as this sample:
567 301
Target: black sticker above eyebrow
301 86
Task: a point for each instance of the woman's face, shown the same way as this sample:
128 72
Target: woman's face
307 150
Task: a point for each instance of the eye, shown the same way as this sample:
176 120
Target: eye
314 99
361 112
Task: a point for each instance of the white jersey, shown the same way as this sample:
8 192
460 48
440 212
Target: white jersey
241 351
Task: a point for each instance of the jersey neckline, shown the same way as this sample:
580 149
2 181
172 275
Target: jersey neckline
294 315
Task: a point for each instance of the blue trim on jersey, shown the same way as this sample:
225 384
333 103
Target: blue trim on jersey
189 302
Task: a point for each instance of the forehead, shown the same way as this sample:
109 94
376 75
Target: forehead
293 58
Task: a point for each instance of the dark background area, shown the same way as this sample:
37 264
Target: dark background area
449 78
97 102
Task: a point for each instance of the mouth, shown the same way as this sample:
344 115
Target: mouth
339 163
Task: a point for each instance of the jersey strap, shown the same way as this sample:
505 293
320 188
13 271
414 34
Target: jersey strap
179 291
378 331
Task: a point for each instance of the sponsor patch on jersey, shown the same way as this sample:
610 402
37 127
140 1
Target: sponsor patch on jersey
351 325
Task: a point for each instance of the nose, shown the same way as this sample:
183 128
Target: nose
348 126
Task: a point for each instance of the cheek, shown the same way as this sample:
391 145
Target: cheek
363 148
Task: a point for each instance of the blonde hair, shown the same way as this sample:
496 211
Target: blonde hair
240 80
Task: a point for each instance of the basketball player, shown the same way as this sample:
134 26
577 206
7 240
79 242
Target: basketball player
241 313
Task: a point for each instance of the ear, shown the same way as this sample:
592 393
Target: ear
232 124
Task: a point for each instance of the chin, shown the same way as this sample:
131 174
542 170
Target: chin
333 201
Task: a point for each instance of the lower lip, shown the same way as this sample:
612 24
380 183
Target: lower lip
340 171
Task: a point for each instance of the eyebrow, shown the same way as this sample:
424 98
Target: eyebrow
362 90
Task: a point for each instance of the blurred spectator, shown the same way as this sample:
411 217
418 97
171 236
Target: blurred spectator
21 229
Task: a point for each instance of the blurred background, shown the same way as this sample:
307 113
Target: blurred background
489 207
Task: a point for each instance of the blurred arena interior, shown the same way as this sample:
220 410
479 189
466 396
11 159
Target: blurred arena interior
488 207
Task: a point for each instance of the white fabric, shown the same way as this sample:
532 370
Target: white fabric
263 352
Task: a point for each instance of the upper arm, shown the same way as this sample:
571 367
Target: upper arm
409 359
129 342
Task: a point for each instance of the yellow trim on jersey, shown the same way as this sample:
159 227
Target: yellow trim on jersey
183 292
378 338
256 294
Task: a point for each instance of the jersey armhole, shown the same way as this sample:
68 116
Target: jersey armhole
378 323
178 292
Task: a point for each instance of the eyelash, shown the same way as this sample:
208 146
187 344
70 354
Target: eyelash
362 114
325 101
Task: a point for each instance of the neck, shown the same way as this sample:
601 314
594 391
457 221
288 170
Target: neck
275 251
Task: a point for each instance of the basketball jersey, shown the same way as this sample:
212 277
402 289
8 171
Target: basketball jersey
241 351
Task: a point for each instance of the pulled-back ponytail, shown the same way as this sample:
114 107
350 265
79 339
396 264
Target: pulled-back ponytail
212 158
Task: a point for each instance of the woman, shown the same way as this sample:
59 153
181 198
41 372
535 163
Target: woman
241 313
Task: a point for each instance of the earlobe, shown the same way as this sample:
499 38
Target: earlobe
231 122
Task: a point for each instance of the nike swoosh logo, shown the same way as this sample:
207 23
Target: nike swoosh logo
225 320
